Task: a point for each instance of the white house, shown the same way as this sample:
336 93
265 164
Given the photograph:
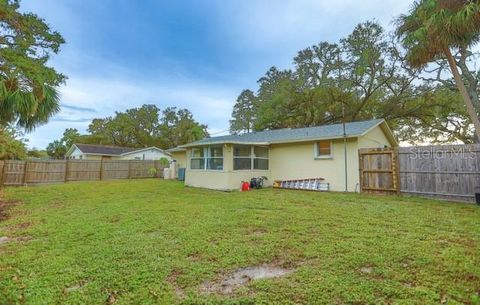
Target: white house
98 152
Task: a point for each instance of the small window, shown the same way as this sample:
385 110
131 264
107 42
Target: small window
323 149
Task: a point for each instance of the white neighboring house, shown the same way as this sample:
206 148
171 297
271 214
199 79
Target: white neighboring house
98 152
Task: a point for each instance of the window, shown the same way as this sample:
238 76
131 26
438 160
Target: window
250 157
323 149
207 158
215 158
242 158
260 157
197 160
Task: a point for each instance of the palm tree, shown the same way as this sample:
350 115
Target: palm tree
433 28
26 107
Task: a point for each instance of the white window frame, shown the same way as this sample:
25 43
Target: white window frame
206 157
252 158
316 156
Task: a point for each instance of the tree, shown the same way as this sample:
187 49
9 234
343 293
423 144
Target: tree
178 127
37 154
243 115
146 126
58 148
435 29
70 137
12 146
28 94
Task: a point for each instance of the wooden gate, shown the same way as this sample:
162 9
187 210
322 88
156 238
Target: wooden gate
379 170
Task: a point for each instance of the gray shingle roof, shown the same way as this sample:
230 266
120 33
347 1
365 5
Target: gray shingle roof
353 129
104 149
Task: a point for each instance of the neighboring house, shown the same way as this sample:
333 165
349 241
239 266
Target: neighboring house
284 154
98 152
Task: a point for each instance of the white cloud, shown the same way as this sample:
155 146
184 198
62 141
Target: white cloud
209 104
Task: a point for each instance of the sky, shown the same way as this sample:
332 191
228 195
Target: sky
199 55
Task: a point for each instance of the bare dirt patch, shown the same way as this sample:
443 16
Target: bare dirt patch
4 206
241 277
172 280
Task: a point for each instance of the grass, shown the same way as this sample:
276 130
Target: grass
156 242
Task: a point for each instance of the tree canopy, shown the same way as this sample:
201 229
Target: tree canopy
28 94
362 76
144 126
437 29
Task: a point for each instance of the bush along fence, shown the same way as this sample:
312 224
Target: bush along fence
16 173
449 172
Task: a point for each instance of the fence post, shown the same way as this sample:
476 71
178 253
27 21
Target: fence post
129 169
2 178
24 180
101 169
66 170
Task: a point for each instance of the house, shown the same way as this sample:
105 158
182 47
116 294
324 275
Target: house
98 152
284 154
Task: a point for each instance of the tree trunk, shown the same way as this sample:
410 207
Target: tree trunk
463 91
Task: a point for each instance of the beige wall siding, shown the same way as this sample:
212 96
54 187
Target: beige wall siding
180 157
375 138
297 161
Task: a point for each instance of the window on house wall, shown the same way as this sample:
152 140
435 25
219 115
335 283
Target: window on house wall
247 157
197 160
215 158
323 149
260 157
207 158
242 158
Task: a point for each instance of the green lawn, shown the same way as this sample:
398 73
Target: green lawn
153 241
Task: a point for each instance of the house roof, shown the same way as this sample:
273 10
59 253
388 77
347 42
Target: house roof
286 135
176 149
108 150
103 149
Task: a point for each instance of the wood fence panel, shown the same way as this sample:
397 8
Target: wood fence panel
83 170
45 171
447 171
13 173
116 169
143 169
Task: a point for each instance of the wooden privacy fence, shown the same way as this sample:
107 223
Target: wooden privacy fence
14 173
448 171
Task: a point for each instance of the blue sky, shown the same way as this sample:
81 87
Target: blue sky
190 54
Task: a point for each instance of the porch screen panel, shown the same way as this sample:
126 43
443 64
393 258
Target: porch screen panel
242 158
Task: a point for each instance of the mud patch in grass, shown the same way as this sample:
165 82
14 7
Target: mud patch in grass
241 277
